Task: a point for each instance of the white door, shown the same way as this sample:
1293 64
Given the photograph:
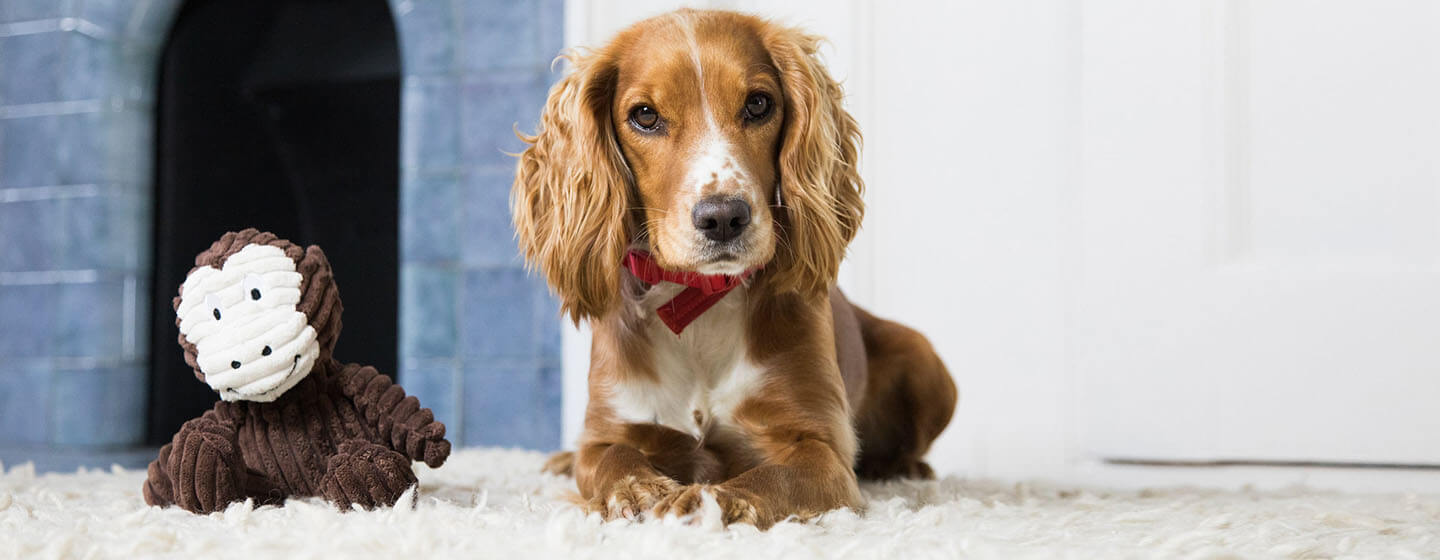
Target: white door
1259 249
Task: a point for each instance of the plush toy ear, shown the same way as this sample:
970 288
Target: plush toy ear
189 348
319 297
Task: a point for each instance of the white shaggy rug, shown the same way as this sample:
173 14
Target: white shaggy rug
495 504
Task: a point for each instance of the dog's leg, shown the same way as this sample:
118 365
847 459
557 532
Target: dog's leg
617 480
560 464
909 399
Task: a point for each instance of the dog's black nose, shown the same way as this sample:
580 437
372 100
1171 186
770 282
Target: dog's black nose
721 219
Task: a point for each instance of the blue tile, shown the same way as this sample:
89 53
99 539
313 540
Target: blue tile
152 20
31 63
89 320
497 319
134 79
436 387
27 10
430 124
500 34
427 37
512 406
548 321
489 236
430 219
111 15
29 153
86 229
81 153
124 155
428 312
52 150
89 69
30 234
493 107
140 321
552 31
24 394
108 231
29 319
98 407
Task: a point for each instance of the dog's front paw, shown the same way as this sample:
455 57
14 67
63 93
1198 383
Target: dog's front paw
631 496
735 505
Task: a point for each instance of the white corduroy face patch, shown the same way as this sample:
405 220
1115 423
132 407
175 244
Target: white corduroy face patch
251 342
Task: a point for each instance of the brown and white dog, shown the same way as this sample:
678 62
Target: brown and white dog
713 147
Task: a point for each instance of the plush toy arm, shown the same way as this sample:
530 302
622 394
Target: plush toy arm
402 422
202 469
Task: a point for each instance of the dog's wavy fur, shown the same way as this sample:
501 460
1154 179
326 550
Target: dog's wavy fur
819 369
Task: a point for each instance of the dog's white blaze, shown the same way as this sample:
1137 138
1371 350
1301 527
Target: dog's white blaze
713 163
704 370
247 325
687 27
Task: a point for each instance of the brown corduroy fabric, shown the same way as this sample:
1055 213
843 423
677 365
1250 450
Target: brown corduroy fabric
345 432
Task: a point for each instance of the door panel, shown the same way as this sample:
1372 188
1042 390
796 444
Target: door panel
1259 234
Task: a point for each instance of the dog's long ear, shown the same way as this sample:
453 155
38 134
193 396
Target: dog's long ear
570 198
820 185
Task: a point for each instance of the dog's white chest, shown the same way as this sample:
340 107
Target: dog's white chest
702 376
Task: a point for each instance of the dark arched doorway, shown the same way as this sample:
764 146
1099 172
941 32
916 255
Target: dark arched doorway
281 115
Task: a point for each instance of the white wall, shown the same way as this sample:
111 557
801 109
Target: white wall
982 119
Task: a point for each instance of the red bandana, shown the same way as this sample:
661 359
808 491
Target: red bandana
704 291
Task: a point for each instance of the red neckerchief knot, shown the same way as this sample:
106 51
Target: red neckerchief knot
705 290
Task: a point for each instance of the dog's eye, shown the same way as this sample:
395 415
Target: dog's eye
645 118
757 106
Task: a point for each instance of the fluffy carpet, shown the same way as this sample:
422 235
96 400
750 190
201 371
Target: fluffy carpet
495 503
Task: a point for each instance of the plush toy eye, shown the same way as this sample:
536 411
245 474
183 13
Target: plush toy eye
252 286
214 304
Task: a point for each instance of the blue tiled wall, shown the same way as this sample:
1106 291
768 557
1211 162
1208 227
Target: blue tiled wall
76 101
480 340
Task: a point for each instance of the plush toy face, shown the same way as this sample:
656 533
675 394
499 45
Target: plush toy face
252 343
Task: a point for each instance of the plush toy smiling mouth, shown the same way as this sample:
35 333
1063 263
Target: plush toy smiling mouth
244 396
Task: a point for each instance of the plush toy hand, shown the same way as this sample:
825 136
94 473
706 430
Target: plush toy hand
428 443
201 469
366 474
402 422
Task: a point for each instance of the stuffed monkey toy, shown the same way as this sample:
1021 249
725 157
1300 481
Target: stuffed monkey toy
258 318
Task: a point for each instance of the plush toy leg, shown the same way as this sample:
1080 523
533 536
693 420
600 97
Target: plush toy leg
366 474
202 470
